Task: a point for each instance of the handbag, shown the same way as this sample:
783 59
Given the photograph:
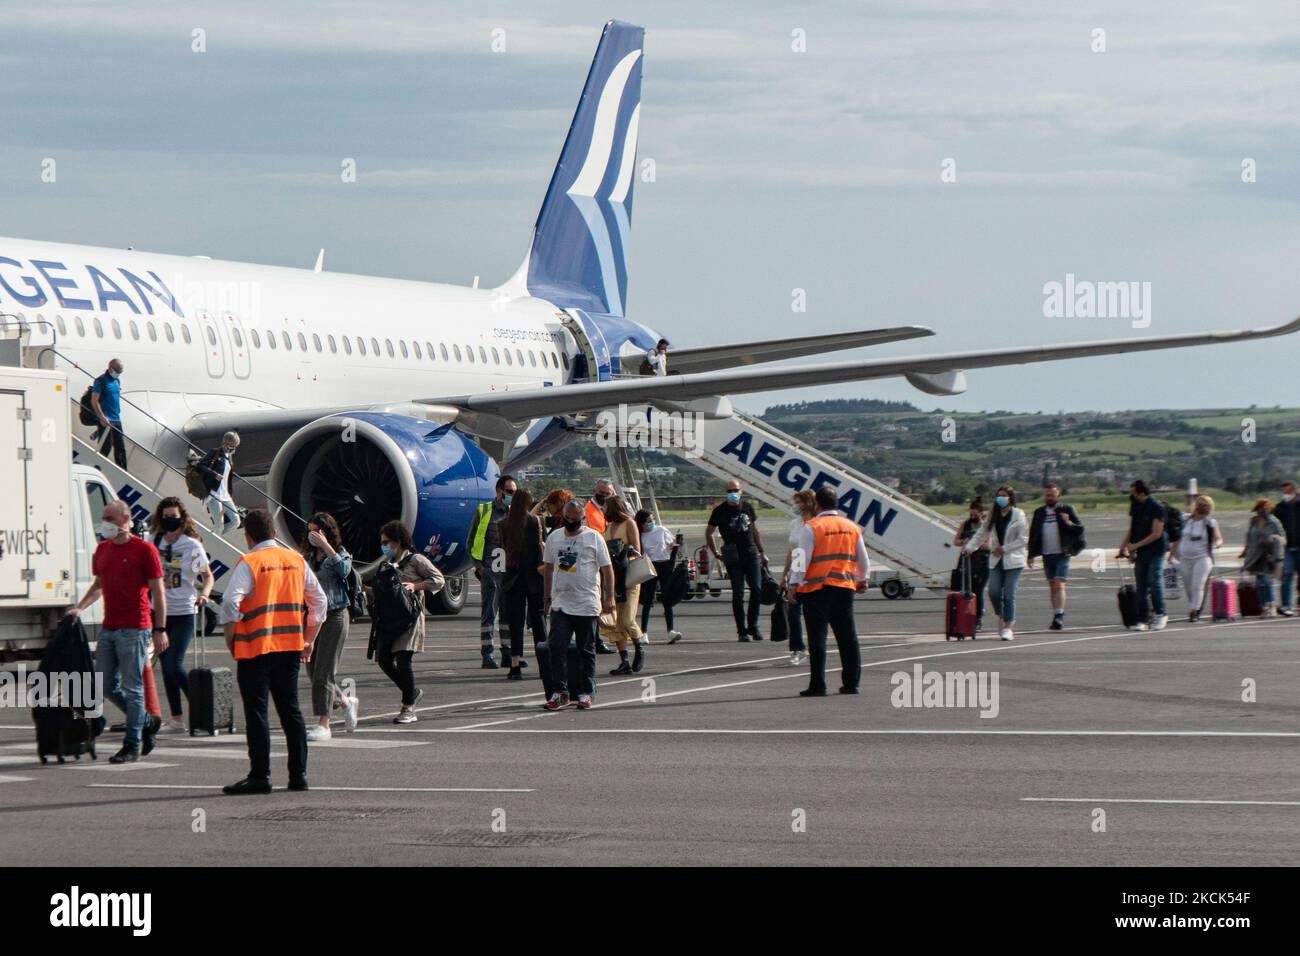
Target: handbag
639 570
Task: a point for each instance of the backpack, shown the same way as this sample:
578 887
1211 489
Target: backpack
86 413
1173 523
356 596
395 609
195 483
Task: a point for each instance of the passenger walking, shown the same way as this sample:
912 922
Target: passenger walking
522 585
977 559
830 566
1263 554
396 638
489 565
1146 543
332 565
187 580
1006 532
1056 533
660 546
550 510
129 577
656 360
742 553
624 543
805 503
1288 513
216 468
106 399
578 587
1194 552
273 607
595 510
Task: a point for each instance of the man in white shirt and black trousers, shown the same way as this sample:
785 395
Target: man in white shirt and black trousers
578 588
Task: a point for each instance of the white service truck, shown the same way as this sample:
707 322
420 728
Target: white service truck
49 512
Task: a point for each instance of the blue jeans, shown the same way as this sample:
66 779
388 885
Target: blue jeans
120 656
1290 567
583 632
1264 582
180 632
1149 579
1002 592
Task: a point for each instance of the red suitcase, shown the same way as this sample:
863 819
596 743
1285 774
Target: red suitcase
1248 599
959 609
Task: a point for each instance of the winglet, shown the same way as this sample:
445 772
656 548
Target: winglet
320 262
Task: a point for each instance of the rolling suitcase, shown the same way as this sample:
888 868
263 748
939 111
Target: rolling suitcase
63 732
212 697
959 608
1223 599
1248 599
1127 596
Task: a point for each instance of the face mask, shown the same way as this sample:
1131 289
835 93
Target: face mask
108 531
506 499
1002 501
649 525
171 524
1289 497
572 524
388 550
601 499
114 374
733 496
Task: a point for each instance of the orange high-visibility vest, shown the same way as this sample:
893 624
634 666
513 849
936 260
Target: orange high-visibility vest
834 561
273 611
595 517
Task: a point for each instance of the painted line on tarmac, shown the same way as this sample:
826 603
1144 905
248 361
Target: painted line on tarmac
12 778
1189 802
199 786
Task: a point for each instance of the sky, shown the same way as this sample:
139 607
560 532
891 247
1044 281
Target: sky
795 147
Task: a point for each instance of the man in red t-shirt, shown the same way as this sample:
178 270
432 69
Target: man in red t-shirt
128 572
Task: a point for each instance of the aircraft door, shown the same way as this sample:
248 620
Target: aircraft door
214 345
240 355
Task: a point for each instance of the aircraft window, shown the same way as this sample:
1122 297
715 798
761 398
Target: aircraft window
167 331
270 340
361 345
443 349
389 343
302 341
509 360
402 344
135 330
469 353
456 349
482 354
98 497
288 342
99 328
211 336
564 357
429 348
374 346
81 326
315 340
519 354
257 339
239 339
58 321
185 333
532 358
347 345
334 347
117 329
496 356
153 333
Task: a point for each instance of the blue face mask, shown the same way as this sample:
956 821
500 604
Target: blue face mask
1002 501
506 499
649 525
388 550
733 495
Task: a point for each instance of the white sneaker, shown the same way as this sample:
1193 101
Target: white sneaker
406 717
797 658
319 732
1006 634
174 726
1141 627
1161 621
674 637
350 707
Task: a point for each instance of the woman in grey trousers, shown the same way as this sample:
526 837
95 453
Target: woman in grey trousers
332 565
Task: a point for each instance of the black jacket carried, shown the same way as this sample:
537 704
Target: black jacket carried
68 651
1288 512
1071 534
523 573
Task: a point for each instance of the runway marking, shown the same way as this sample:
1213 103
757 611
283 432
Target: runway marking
861 731
204 786
1189 802
104 766
989 648
359 744
6 760
12 778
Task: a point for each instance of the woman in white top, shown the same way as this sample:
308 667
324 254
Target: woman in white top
806 503
660 546
1007 531
187 583
1194 552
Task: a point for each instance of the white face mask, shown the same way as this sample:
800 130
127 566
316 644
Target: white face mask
1290 496
108 531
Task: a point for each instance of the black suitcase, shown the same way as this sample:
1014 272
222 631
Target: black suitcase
212 697
63 732
1128 599
780 630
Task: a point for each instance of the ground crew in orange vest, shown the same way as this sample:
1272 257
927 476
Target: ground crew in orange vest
828 567
272 608
595 510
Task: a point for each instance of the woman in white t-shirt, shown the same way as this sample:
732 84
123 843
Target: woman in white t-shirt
1194 552
659 545
187 582
806 502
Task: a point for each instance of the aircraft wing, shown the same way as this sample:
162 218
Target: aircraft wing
714 357
940 374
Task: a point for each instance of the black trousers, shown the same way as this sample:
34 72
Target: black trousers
522 607
398 668
663 571
113 437
833 607
275 675
745 570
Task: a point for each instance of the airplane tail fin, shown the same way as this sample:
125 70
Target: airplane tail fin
578 255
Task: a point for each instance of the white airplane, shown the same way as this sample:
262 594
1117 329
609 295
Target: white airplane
373 398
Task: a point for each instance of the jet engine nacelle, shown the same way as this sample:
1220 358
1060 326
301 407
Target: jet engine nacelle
368 468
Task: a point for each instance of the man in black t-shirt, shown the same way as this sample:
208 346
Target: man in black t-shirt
1146 544
742 552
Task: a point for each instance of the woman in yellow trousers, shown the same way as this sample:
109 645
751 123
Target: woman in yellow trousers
621 534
